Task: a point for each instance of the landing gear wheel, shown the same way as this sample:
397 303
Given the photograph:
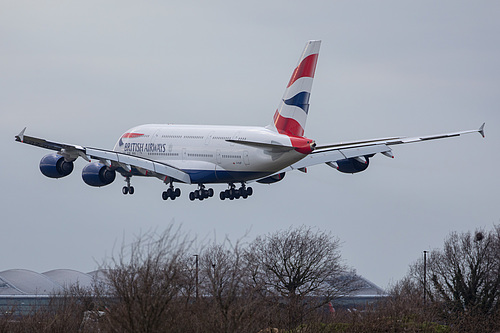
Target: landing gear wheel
249 191
164 195
125 190
131 190
177 192
192 196
222 195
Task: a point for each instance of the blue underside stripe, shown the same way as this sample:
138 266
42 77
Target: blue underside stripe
219 176
212 176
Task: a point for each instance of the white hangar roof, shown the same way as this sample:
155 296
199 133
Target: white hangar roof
26 282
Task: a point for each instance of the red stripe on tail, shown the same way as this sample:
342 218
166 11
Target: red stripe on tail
305 69
287 126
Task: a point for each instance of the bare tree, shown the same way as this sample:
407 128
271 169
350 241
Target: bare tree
463 281
143 281
234 304
301 267
466 273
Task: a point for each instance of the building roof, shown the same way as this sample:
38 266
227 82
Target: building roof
26 282
68 277
366 288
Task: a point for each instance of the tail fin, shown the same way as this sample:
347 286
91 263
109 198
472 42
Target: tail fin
291 115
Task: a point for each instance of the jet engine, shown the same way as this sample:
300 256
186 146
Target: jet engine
272 179
353 165
97 174
54 166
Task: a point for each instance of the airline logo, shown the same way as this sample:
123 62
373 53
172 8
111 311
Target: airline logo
132 135
291 115
129 136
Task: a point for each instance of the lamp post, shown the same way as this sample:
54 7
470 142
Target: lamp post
425 277
196 277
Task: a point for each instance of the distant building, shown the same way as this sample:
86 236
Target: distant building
23 290
366 293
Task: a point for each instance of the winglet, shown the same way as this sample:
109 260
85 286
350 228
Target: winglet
20 136
481 130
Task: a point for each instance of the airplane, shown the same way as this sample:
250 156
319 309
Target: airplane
206 154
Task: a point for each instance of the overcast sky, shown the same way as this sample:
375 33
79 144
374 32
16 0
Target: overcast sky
85 72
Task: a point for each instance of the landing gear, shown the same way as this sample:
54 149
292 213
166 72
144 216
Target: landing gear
201 193
128 189
171 192
234 193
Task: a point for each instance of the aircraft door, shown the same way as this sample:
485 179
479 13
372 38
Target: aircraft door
246 160
218 156
155 148
208 138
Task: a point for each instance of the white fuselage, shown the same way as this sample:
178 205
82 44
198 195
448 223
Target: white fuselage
204 153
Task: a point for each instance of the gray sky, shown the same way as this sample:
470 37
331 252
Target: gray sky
84 72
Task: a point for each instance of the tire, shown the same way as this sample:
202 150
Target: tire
131 190
164 195
177 192
191 196
210 192
222 195
125 190
249 191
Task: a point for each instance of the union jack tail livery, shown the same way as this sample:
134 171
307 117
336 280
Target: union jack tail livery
291 115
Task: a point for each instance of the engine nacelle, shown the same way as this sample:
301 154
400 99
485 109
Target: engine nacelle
97 174
272 179
352 165
54 166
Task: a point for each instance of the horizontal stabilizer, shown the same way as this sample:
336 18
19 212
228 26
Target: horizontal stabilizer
262 145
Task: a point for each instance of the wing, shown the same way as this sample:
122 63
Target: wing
109 158
331 154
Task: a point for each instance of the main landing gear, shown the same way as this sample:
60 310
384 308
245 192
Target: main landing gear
128 189
234 193
201 193
171 193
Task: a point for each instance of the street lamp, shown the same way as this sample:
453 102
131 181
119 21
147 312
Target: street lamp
425 276
196 277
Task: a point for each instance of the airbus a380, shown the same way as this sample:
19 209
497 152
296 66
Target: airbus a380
233 155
